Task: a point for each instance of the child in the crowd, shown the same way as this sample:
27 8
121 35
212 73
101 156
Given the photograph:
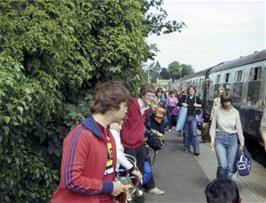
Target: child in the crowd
121 158
174 116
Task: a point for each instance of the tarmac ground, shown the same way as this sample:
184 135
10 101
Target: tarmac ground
184 176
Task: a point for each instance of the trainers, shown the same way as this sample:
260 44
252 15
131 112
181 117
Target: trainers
186 150
156 191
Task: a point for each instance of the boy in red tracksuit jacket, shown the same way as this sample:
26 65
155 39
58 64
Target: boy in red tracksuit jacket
89 155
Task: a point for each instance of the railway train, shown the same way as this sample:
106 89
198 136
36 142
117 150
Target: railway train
244 78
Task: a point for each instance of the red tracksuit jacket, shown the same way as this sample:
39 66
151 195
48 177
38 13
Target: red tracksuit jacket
83 165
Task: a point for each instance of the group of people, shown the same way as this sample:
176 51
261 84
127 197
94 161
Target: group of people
188 99
95 149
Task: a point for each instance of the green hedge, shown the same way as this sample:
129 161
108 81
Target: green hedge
52 53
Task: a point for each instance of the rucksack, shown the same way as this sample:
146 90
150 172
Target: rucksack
154 141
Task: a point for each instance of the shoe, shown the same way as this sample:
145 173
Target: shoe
186 150
156 191
197 154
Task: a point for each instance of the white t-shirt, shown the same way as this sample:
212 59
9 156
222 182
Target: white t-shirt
121 158
227 122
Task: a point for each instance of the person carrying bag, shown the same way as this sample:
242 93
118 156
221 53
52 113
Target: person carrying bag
191 103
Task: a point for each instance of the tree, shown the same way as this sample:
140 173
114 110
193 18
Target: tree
164 74
186 70
153 72
174 69
178 70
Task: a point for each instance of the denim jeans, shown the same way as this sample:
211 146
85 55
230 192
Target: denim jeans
226 148
190 134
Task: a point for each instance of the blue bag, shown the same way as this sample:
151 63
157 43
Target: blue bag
181 118
147 172
243 165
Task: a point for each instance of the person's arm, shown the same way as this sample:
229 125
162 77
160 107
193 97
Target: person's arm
179 103
182 101
213 106
199 102
74 160
121 158
240 131
213 128
263 127
263 135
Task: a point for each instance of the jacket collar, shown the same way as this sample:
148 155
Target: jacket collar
91 125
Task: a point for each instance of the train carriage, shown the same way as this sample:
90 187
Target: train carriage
245 79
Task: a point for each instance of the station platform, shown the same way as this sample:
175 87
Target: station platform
184 176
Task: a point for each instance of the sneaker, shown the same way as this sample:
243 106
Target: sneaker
156 191
186 150
197 154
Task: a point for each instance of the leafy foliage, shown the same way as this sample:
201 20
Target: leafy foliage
178 70
52 53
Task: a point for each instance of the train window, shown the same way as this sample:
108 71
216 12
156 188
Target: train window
238 77
218 78
226 77
253 93
237 92
255 73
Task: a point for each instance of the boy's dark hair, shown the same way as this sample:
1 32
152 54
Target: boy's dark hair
109 95
147 88
226 98
222 191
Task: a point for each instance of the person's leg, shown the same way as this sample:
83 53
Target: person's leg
186 139
168 114
194 136
220 148
232 148
150 186
151 183
141 154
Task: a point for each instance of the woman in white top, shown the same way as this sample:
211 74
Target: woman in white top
217 100
225 131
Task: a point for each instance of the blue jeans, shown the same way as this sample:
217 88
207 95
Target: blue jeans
190 134
226 148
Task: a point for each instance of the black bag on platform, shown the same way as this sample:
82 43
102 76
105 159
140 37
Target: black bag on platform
154 141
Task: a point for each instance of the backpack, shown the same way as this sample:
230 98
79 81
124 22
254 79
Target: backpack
154 141
243 165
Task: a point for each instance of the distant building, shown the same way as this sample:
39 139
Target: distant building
165 84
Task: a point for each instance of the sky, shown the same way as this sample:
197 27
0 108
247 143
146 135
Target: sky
216 31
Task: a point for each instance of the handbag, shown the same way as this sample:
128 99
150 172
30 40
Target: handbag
181 118
197 110
243 165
